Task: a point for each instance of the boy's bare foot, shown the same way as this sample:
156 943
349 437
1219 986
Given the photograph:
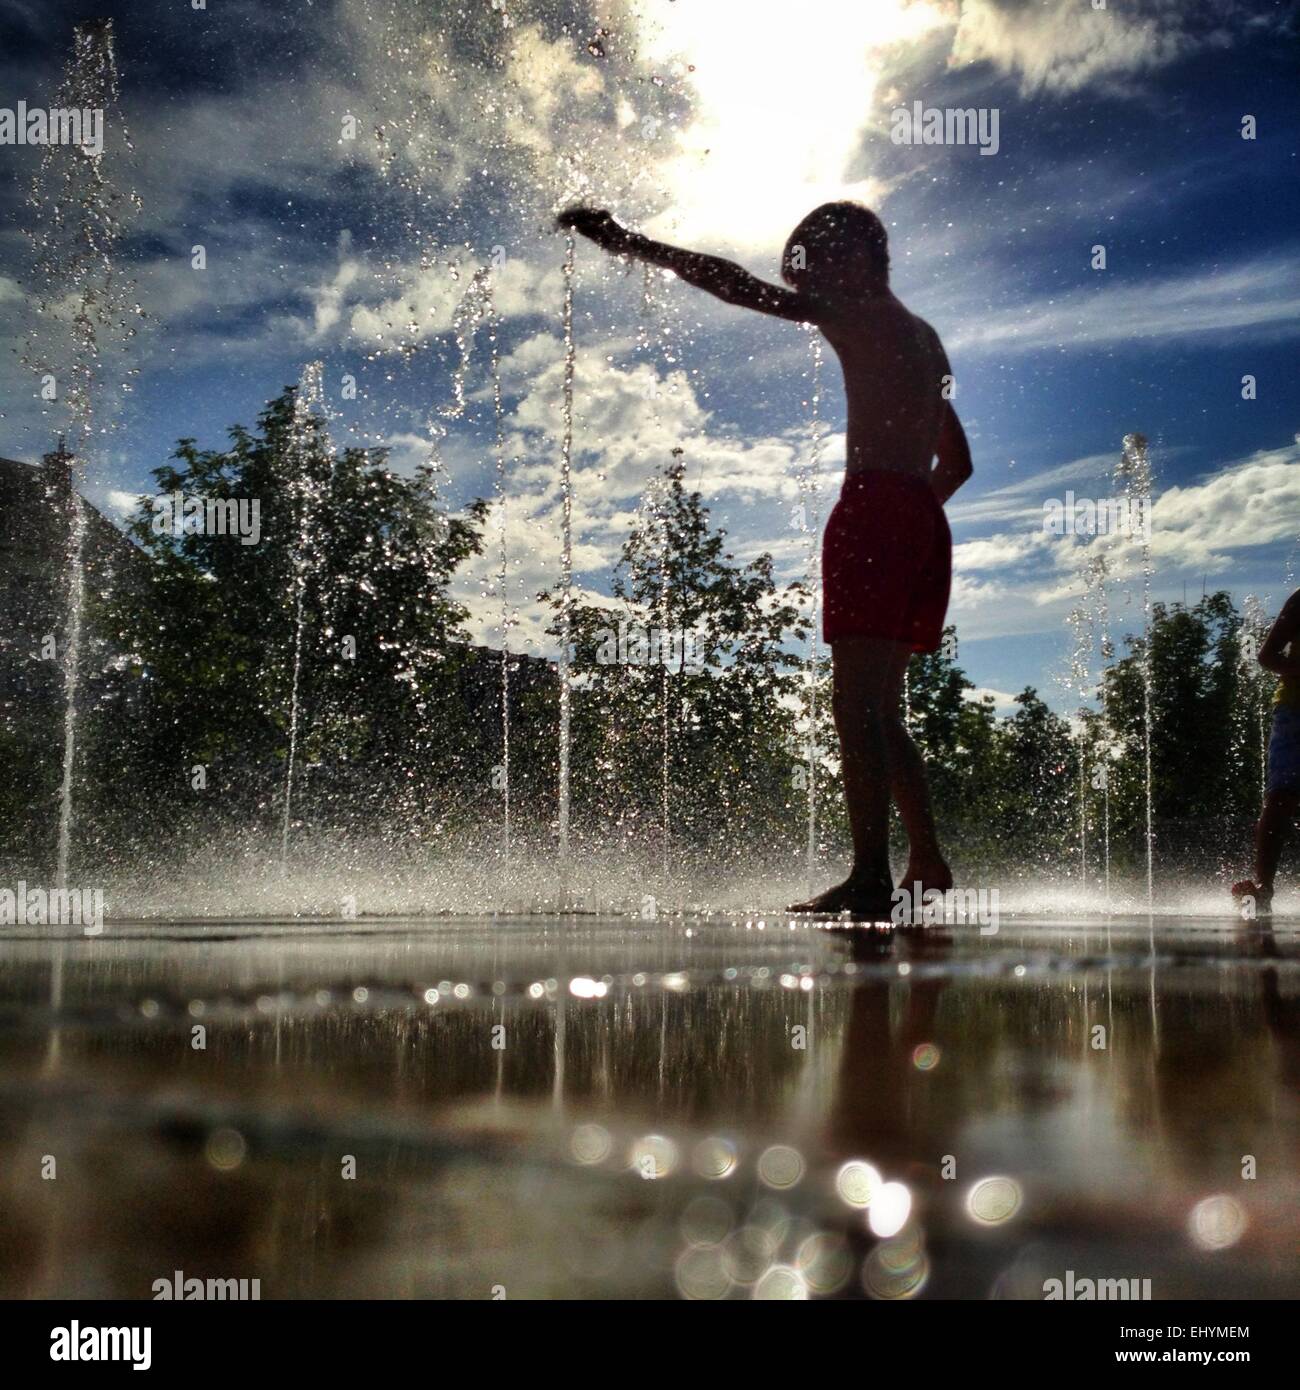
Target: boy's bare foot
1247 889
931 874
862 900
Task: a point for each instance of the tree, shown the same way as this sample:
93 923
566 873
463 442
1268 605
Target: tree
1209 707
348 579
686 675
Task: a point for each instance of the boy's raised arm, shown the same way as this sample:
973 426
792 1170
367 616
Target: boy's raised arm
725 279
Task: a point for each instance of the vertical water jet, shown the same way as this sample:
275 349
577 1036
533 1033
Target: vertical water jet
308 415
566 565
76 225
1133 473
810 521
503 576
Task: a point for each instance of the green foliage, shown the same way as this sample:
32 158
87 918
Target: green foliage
211 631
192 654
1210 708
722 702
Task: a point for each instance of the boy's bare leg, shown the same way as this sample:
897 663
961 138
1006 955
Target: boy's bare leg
858 701
861 671
1275 818
925 862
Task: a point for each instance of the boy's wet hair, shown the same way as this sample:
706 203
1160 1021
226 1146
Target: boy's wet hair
834 240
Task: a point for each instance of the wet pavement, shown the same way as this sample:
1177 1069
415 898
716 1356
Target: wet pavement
585 1107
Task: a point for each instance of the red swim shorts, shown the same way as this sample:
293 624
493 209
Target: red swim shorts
886 561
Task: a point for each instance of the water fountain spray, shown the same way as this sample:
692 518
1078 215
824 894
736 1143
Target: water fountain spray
1095 573
76 224
1133 474
652 513
1081 626
810 524
1254 628
475 305
1089 621
566 564
665 748
499 444
309 414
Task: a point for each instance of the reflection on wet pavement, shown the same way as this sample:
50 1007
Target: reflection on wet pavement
591 1108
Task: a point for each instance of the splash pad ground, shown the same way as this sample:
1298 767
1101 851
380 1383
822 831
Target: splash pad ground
596 1107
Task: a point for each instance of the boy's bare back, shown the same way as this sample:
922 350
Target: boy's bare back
894 368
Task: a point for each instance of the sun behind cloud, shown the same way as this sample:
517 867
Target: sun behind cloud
780 98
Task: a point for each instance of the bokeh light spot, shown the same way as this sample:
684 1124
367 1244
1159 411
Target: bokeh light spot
781 1282
226 1149
1217 1222
781 1166
825 1262
701 1274
714 1158
994 1200
653 1156
857 1183
590 1144
889 1210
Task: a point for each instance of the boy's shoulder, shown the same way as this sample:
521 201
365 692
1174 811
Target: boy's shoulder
931 335
923 326
928 329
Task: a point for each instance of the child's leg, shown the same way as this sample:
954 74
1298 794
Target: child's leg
1270 835
861 667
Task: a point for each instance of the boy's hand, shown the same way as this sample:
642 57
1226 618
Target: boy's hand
593 223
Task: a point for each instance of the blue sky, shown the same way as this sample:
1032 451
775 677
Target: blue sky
718 125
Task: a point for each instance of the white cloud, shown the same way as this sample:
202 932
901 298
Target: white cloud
1250 504
1061 46
1022 499
1004 703
998 552
974 603
1021 581
123 503
330 297
628 419
1262 295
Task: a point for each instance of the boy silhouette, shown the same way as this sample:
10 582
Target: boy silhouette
1280 654
887 550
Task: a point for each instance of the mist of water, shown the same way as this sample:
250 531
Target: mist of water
1133 474
566 561
77 215
311 430
503 557
665 723
1254 628
810 524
